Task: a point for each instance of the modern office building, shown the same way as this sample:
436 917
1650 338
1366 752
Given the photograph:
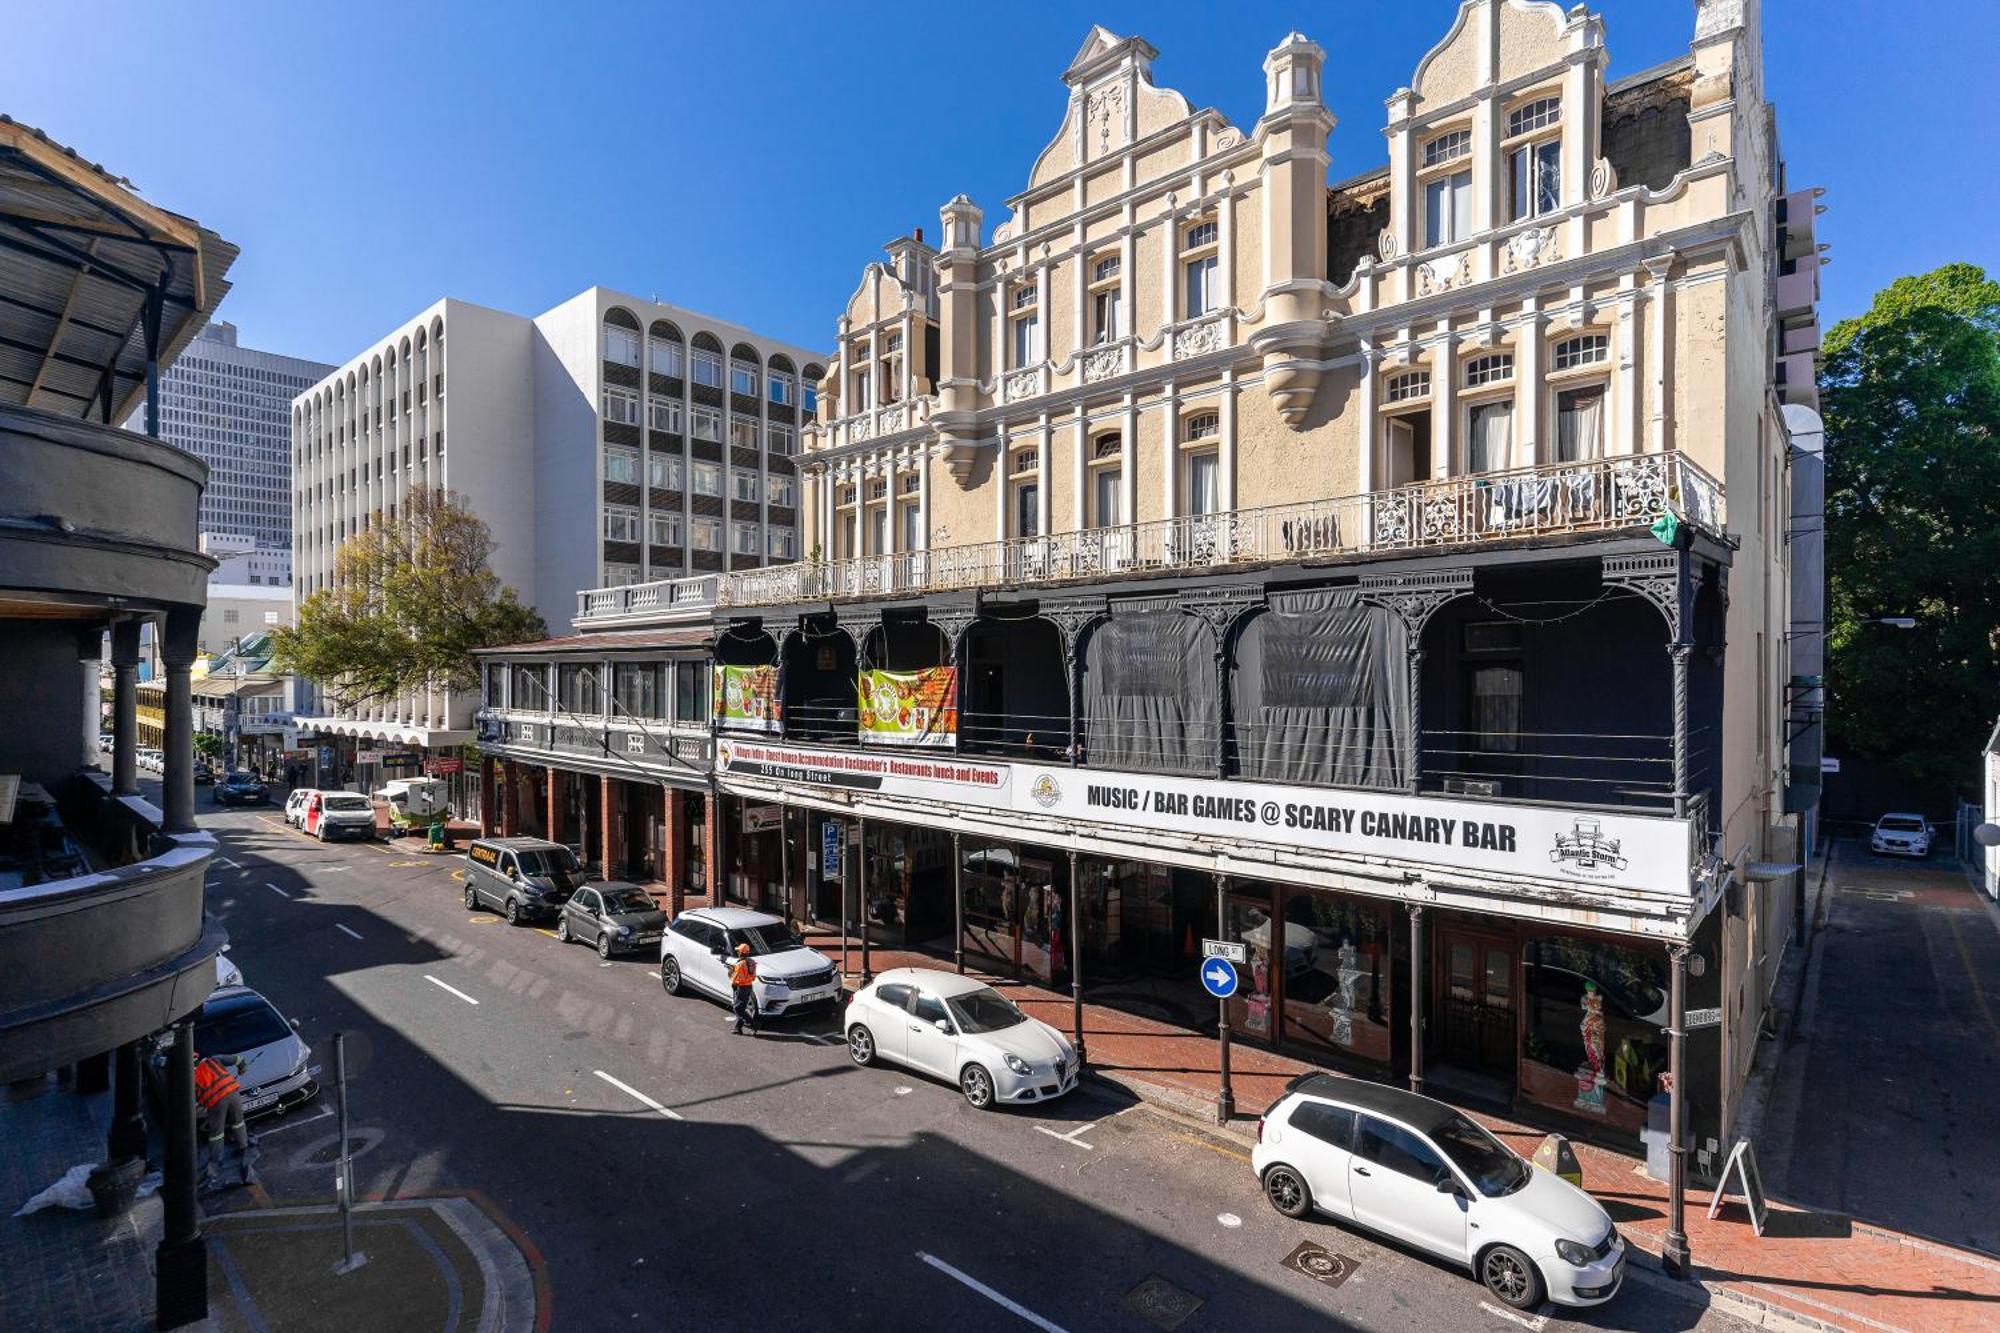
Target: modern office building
610 440
231 407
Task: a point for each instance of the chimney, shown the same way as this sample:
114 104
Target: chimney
919 234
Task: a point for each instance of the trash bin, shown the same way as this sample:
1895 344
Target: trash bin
1657 1135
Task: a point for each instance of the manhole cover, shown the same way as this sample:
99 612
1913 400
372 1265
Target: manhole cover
1321 1264
1160 1303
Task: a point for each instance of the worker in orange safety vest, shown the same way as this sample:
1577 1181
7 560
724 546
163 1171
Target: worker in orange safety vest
219 1098
743 990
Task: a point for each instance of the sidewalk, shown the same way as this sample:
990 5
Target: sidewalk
1808 1269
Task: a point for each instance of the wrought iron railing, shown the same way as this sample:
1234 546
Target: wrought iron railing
1632 491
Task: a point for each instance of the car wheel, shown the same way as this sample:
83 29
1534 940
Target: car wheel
861 1045
1511 1276
670 975
1288 1191
513 911
471 899
603 944
562 930
977 1085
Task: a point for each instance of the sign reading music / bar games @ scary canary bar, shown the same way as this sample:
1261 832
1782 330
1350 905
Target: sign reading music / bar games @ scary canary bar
1595 848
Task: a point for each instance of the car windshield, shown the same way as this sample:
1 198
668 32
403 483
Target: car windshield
627 900
985 1010
238 1024
772 937
347 803
1493 1169
1900 824
243 779
546 861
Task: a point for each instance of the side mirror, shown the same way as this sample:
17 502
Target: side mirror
295 1024
1450 1185
944 1026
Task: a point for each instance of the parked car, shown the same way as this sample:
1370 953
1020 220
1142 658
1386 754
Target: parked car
150 759
521 878
695 954
1902 835
338 814
295 805
106 741
960 1029
1427 1175
241 789
243 1029
204 773
614 916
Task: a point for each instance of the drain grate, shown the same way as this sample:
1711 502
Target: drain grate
1321 1264
1161 1303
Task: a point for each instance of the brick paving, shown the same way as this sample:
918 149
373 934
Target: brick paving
1810 1268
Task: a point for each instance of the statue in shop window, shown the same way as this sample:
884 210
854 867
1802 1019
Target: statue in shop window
1590 1074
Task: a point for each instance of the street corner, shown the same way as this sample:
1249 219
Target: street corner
448 1262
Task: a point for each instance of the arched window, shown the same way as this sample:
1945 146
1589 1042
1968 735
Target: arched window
621 338
1410 384
667 350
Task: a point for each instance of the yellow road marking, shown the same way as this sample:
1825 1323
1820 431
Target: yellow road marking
542 930
458 875
1971 977
1200 1142
394 864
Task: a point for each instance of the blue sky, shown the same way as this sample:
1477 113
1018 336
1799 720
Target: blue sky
370 158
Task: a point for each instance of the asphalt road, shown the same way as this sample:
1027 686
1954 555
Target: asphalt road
672 1175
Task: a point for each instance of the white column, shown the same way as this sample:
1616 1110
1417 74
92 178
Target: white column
1170 448
1044 475
1444 404
1225 259
1659 293
1489 188
1371 434
1080 472
1225 457
1169 261
1003 472
1626 401
907 371
1080 293
1128 463
924 501
1044 312
1529 448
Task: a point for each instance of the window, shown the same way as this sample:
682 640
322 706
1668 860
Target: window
1025 460
1027 341
745 535
1200 234
1489 436
1107 446
1106 269
743 485
621 524
708 424
1104 316
1580 424
1448 147
1332 1125
779 440
663 528
810 398
1201 426
1026 295
664 471
1493 708
1495 369
638 689
781 387
1027 509
707 478
690 691
742 433
1410 384
743 379
1448 209
230 615
531 685
781 543
1199 287
708 368
907 527
1203 471
621 407
708 534
621 346
669 358
1397 1149
781 490
664 414
1536 170
1587 350
580 689
622 465
1538 114
1109 488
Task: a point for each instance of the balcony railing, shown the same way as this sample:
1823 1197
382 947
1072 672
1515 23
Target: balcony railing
1600 495
648 600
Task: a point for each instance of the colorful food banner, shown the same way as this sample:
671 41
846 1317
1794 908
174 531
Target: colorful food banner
910 707
746 698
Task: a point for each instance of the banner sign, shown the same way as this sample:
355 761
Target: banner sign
762 818
746 698
910 707
1546 842
440 767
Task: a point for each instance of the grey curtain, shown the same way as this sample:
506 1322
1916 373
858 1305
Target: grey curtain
1150 699
1321 692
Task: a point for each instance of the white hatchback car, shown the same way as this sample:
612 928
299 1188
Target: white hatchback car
960 1028
694 954
1901 835
1426 1174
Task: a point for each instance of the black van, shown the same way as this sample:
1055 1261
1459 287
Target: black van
520 878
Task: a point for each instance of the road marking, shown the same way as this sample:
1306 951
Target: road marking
329 870
1534 1322
1071 1137
824 1041
1971 976
1230 1220
394 864
280 892
1201 1142
225 861
324 1112
1011 1306
632 1092
453 989
345 931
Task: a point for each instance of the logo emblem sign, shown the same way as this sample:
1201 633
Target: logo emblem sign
1046 792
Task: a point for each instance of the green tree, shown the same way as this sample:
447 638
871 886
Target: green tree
207 745
412 597
1911 396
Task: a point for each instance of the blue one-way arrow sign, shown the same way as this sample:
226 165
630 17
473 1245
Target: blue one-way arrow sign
1218 977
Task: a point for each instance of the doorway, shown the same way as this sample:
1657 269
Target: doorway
1475 1007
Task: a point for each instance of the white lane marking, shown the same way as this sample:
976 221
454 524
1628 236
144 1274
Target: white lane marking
1011 1306
225 861
346 931
1069 1138
328 870
280 892
324 1112
1535 1322
453 989
824 1041
1230 1220
632 1092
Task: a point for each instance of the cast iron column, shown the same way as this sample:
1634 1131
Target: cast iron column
1674 1253
180 1270
177 651
861 878
957 902
125 708
1225 1097
128 1122
552 805
488 796
1416 997
1076 956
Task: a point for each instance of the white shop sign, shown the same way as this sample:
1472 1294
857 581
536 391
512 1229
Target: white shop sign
1547 842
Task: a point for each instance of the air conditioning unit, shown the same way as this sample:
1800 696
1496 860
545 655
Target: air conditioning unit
1471 787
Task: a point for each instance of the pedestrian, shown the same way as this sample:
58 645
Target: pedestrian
743 990
219 1098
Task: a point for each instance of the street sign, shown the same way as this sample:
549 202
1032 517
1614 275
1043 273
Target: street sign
1218 977
829 850
1235 953
1703 1018
1828 764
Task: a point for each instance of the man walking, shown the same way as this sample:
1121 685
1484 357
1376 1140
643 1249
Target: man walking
219 1099
743 990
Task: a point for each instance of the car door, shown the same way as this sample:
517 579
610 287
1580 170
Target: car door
1326 1154
581 909
710 970
928 1047
889 1019
1393 1185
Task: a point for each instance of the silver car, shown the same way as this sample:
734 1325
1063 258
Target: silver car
614 916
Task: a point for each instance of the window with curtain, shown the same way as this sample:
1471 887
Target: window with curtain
1489 437
1203 474
1494 708
1580 424
1537 178
1109 487
638 689
580 689
1026 343
1448 209
1200 286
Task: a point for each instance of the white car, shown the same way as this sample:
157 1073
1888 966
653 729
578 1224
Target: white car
295 806
338 814
961 1029
695 954
1902 835
1427 1175
245 1031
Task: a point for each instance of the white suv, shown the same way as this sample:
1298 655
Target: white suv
695 954
1427 1175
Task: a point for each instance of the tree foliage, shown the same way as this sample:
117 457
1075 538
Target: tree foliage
412 597
1911 396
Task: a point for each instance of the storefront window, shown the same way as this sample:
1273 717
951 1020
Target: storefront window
1248 922
1016 910
1336 989
1595 1032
